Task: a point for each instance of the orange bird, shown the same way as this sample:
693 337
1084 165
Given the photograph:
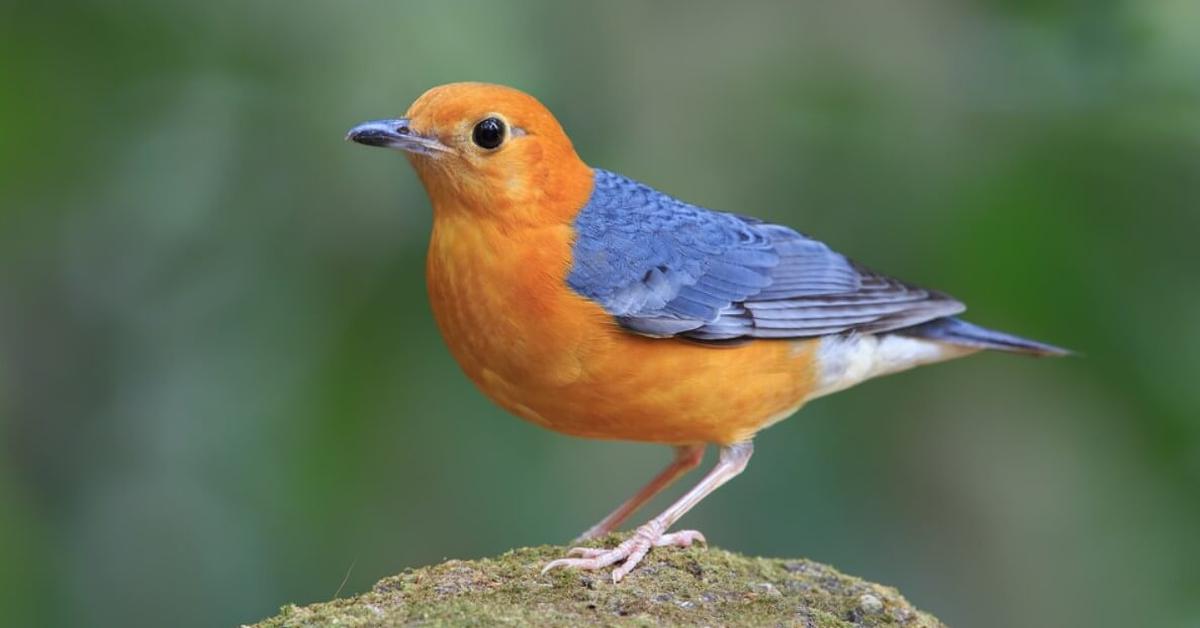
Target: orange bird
593 305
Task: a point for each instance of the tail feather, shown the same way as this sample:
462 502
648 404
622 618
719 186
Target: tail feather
959 332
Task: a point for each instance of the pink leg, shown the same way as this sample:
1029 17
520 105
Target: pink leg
732 462
687 457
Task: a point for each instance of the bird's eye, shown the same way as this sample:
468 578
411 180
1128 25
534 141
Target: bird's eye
489 133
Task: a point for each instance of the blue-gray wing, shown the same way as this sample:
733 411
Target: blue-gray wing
663 268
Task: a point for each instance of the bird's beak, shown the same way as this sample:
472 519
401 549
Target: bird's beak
395 134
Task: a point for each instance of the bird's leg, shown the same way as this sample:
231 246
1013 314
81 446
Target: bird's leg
687 457
732 462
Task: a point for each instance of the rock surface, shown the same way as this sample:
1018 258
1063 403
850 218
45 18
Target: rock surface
693 586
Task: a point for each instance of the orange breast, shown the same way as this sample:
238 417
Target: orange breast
555 358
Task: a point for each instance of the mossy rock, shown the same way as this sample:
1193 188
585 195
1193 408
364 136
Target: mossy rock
693 586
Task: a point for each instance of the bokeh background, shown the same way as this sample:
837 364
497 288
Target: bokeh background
221 389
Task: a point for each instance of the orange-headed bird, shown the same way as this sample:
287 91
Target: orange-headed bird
594 305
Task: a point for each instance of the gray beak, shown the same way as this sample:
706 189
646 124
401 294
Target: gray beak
395 134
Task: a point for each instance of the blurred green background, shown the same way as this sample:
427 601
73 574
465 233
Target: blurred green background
221 389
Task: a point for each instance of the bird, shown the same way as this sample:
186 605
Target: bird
596 306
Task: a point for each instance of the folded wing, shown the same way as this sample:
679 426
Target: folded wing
666 268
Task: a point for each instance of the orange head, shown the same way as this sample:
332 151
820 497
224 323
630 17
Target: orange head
489 150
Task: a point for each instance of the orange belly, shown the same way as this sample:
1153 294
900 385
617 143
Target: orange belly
555 358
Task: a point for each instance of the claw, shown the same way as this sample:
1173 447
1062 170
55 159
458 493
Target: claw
587 552
683 538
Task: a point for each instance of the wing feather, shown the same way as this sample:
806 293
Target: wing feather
664 268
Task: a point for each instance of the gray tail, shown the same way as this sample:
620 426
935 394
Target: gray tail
960 332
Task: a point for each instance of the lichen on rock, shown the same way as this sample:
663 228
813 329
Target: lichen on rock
693 586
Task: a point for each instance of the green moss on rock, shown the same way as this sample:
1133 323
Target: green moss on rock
672 587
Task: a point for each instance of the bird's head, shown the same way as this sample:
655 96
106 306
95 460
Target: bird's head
489 150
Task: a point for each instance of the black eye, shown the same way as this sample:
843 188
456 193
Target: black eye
489 133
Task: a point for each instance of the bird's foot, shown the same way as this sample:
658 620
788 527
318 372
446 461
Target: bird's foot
631 551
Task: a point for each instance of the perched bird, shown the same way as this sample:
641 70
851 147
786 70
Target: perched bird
596 306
